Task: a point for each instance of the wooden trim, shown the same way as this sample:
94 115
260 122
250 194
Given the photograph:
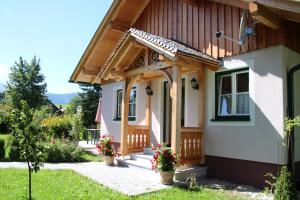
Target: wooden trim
149 68
192 129
89 72
264 15
118 26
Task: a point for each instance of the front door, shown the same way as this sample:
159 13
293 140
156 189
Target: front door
167 107
167 111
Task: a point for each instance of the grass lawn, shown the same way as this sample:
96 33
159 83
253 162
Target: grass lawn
89 157
65 184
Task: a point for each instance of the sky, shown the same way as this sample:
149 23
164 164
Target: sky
56 31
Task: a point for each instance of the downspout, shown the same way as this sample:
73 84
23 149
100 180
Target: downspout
291 115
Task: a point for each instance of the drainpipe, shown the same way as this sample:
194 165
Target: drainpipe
291 115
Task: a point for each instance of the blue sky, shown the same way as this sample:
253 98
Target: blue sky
56 31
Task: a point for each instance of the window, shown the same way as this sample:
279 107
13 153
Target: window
132 105
232 95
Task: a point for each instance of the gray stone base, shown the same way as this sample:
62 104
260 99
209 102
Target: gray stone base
181 174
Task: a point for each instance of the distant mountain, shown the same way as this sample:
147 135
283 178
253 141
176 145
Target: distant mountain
2 88
61 98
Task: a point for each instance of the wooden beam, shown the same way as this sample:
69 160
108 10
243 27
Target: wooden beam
201 82
235 3
291 5
117 73
264 15
148 115
176 109
118 26
143 4
143 70
89 72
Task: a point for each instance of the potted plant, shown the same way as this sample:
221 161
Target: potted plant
164 161
105 149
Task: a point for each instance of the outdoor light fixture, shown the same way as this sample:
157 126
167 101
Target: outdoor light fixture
149 91
194 84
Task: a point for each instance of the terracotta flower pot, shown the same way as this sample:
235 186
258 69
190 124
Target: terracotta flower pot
109 160
166 177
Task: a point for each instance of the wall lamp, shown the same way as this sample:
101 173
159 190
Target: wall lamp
194 84
149 91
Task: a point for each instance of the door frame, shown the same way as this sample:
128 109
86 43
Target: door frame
291 114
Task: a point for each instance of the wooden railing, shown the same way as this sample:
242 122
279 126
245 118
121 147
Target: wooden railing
191 147
138 138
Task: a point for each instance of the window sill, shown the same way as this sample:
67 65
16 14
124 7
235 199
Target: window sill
231 119
129 119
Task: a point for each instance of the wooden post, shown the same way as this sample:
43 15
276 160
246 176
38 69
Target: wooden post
176 109
148 116
201 80
124 119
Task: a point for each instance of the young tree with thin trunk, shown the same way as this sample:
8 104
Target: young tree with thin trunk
27 134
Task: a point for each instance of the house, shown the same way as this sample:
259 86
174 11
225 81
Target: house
218 100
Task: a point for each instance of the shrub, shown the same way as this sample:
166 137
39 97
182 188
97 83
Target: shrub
58 126
2 149
4 119
77 130
285 186
14 153
58 151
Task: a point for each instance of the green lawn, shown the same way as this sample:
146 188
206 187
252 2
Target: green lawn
65 184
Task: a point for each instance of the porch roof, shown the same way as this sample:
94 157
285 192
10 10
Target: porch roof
169 48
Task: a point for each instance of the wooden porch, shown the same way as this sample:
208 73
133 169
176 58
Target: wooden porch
151 62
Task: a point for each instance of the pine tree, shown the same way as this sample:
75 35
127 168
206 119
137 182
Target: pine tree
26 83
89 103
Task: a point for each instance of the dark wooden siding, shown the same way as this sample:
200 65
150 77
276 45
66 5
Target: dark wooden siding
196 26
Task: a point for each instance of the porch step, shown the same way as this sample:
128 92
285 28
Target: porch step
184 173
136 160
148 151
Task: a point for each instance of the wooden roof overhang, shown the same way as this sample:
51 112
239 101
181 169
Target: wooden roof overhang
119 18
135 44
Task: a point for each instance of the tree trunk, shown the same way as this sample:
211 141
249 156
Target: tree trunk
29 180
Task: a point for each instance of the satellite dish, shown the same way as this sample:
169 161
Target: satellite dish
244 30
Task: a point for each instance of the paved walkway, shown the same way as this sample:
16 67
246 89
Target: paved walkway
130 181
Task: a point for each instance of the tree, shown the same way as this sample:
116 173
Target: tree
26 83
73 105
28 137
89 103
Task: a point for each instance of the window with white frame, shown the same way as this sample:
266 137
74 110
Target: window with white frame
132 105
232 95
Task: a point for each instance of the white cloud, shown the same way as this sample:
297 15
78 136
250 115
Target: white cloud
4 71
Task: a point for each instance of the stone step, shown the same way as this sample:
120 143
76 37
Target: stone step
183 173
148 151
141 162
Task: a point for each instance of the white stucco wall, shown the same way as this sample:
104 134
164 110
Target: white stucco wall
108 108
261 138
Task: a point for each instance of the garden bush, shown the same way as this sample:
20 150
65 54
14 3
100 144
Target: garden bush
285 186
2 149
58 126
14 153
4 119
58 151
